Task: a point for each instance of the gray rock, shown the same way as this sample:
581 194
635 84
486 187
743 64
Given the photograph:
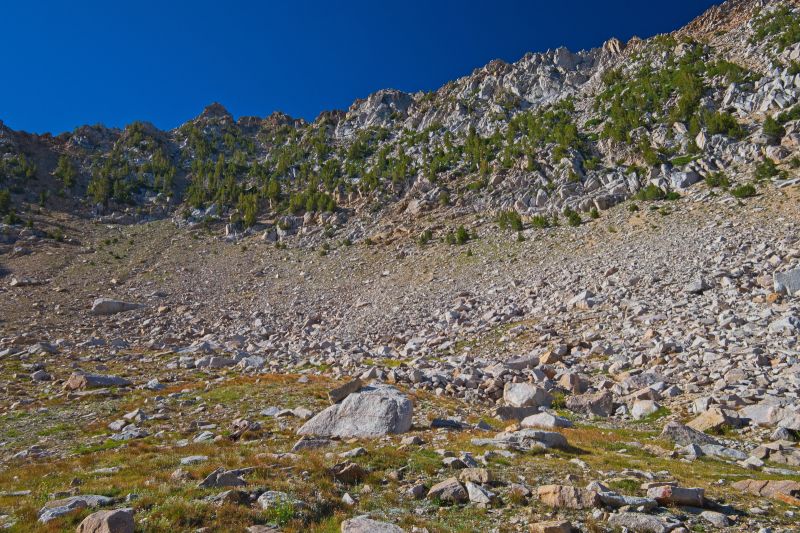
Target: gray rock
79 380
56 508
372 412
787 282
643 408
716 519
478 494
223 478
640 523
340 393
697 286
597 404
788 325
506 412
107 306
684 435
545 420
116 521
526 395
273 498
525 440
363 524
449 491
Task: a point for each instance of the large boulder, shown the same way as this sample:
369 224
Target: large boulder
116 521
594 404
526 395
107 306
374 411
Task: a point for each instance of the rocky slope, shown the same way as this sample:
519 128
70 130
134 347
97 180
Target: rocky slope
554 295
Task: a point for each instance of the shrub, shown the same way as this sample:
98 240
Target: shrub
462 235
425 237
540 221
477 185
766 170
650 156
651 193
773 129
792 114
510 219
782 24
5 201
718 179
594 213
573 218
248 206
723 123
444 199
633 208
744 191
65 171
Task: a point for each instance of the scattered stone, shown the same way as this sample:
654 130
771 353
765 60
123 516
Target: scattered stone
81 381
449 491
640 523
223 478
545 420
363 524
107 306
671 495
553 526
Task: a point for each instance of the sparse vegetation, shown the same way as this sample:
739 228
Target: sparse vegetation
744 191
509 220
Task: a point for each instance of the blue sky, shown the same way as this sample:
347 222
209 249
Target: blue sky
85 62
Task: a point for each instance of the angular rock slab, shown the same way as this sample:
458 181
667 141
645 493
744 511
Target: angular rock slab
374 411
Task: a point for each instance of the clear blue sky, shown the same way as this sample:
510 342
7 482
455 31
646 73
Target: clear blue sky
77 62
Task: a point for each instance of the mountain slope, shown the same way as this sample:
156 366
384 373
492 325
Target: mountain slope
553 131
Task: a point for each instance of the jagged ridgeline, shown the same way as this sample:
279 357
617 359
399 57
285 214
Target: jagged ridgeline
555 132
